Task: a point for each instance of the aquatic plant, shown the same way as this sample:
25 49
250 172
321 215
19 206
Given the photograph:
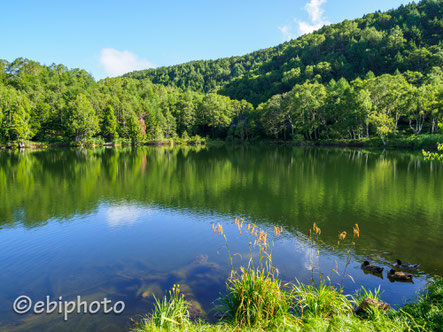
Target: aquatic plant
346 246
349 250
435 155
255 296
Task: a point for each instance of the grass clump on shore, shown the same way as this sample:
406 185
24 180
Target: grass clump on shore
255 296
321 301
257 300
169 313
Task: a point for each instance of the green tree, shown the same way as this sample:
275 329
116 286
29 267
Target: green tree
21 126
82 122
272 118
15 116
109 124
306 105
185 113
418 103
384 125
389 96
135 129
215 111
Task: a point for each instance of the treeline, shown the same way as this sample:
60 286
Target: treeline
407 38
54 103
408 103
57 104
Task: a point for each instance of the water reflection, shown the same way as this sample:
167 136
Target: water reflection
129 223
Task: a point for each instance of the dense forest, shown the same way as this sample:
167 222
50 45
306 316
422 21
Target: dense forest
408 38
380 75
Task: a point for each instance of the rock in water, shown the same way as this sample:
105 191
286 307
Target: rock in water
367 304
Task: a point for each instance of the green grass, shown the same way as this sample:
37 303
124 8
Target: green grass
170 313
313 308
321 301
256 298
427 310
424 141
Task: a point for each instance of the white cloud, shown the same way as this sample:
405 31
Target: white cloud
317 20
117 62
286 31
314 10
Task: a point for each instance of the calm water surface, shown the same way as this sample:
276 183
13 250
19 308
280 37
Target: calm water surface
127 224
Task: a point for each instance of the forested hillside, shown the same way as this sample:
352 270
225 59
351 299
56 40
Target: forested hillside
376 76
407 38
54 103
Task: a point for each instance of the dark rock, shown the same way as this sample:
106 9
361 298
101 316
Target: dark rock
367 304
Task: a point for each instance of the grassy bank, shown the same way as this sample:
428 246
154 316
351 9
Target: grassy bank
257 300
428 142
99 142
324 309
413 142
401 142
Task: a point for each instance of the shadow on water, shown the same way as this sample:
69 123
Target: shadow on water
127 224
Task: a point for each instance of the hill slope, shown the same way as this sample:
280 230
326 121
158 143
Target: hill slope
407 38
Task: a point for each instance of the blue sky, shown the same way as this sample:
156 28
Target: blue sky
108 38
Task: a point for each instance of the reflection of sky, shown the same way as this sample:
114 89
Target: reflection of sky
126 215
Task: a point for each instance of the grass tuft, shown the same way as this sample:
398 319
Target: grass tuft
321 301
169 314
256 298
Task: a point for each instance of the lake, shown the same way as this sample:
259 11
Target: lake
128 224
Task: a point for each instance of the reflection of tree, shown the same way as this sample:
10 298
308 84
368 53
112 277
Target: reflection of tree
392 193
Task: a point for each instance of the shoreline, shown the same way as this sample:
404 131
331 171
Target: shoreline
428 142
336 312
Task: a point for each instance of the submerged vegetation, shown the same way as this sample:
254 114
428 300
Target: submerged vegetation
378 77
256 299
435 155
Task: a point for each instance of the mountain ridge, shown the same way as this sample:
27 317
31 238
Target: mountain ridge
381 42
